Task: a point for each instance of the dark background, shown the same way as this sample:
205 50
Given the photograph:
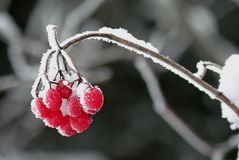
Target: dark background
127 127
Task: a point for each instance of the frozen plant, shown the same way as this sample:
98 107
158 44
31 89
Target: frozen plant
63 99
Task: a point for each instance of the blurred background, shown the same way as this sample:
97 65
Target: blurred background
128 126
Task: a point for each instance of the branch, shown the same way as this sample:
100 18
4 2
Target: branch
162 109
126 40
203 66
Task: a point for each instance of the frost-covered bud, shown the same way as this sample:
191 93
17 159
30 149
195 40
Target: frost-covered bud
92 100
74 107
54 119
39 108
80 123
63 89
229 86
65 128
53 99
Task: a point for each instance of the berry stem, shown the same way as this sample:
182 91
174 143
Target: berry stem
63 60
157 57
61 75
77 80
53 42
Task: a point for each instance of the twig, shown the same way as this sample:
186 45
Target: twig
157 57
216 152
162 109
203 66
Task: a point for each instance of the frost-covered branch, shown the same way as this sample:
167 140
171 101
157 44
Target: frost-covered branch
216 152
162 109
122 38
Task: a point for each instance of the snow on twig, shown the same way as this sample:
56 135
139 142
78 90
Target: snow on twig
203 66
122 38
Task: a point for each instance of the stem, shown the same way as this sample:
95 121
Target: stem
158 58
63 61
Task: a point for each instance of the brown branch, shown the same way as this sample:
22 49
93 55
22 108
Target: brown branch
167 62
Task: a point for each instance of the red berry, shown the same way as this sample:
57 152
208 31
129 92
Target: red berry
53 99
39 109
64 90
92 100
65 128
81 123
55 119
74 107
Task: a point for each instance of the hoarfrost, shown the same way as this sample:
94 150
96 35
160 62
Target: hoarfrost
63 107
129 39
123 33
51 36
68 60
229 86
52 66
81 88
202 67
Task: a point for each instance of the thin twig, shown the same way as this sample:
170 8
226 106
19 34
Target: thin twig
203 66
162 109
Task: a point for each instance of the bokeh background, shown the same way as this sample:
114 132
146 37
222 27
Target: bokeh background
127 127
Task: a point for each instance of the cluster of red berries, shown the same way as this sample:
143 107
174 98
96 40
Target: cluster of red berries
68 108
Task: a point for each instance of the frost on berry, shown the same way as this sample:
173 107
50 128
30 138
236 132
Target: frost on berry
53 99
63 99
65 128
74 107
54 119
92 100
229 79
39 109
64 90
80 123
82 87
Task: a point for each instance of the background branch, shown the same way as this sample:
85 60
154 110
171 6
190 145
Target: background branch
161 108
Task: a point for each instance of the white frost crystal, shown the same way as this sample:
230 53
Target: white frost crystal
229 86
